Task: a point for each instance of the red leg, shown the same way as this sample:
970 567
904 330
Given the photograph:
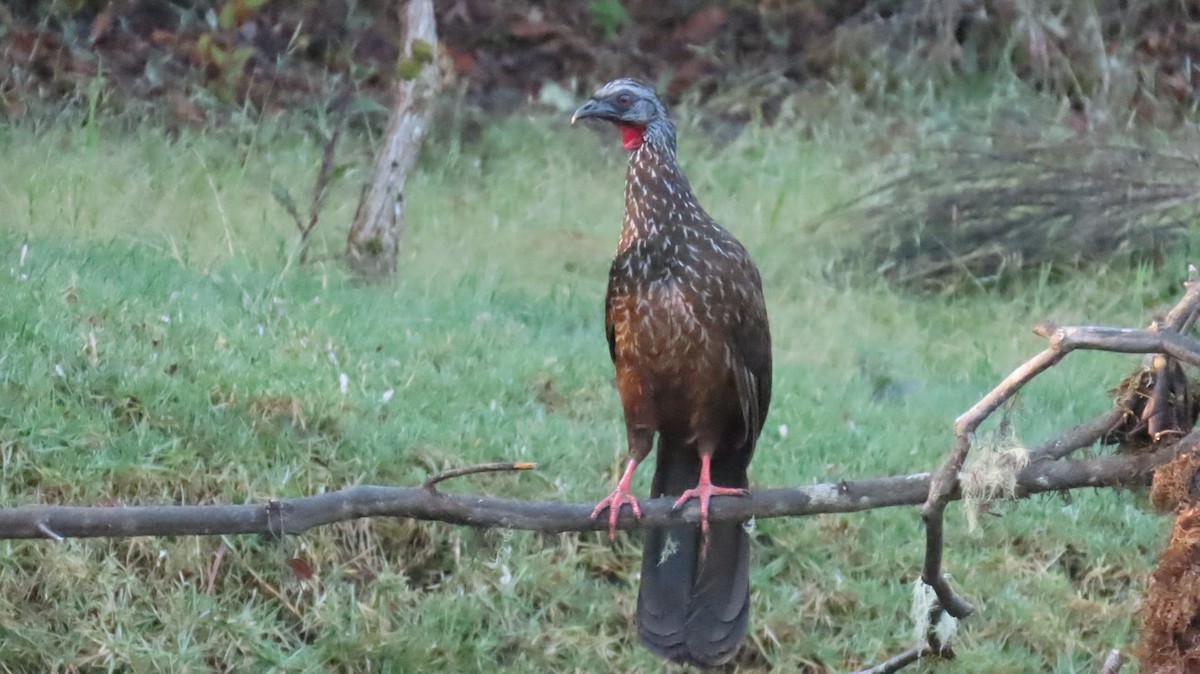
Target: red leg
705 490
617 498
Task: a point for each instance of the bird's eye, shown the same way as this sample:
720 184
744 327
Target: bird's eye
624 99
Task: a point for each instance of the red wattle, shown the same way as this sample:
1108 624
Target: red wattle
631 136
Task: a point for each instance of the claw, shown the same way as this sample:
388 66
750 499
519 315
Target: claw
705 490
619 497
613 502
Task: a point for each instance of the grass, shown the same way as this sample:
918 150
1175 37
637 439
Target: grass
158 344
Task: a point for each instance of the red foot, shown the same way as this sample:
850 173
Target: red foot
705 490
619 497
613 502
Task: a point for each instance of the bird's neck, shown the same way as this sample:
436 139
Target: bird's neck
658 198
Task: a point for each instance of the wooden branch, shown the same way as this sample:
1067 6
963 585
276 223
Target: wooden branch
373 243
899 662
496 467
1162 339
1084 435
1181 317
297 515
932 513
1121 340
324 173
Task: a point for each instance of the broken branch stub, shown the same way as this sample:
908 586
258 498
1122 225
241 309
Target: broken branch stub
373 244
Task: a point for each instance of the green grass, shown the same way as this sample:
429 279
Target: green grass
159 344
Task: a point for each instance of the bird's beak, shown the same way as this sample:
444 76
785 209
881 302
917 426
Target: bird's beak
592 108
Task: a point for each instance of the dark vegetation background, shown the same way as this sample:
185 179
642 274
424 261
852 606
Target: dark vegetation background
1108 60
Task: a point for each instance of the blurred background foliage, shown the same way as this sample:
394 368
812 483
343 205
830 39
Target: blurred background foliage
1110 62
1061 81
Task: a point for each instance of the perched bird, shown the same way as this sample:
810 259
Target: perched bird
688 335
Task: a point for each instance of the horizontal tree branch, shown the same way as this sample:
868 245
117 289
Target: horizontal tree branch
1121 340
297 515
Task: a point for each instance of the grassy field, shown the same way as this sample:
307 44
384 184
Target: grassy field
159 344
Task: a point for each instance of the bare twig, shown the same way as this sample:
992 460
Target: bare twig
297 515
1112 663
215 568
899 662
478 468
946 478
1161 338
1083 435
1121 340
1181 317
321 186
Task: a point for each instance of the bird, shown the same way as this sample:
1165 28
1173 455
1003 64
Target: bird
690 343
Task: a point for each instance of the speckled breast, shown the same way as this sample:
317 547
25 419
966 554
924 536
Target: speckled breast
663 321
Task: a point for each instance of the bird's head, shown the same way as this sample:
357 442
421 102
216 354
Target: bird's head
635 109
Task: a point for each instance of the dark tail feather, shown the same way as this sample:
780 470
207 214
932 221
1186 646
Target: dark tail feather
693 609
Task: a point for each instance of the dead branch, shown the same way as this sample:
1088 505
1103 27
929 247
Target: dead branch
297 515
899 662
478 468
946 477
1160 339
1084 435
1165 338
324 174
1118 340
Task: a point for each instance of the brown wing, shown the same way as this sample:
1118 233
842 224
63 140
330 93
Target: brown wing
750 342
610 330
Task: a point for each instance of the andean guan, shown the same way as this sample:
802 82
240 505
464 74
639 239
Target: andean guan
688 334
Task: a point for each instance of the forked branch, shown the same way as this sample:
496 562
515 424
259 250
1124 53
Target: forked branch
1166 338
1163 338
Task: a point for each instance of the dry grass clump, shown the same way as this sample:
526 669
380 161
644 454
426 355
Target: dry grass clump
979 216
